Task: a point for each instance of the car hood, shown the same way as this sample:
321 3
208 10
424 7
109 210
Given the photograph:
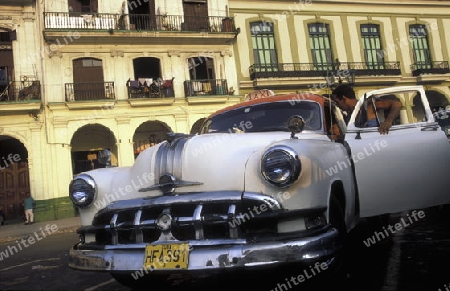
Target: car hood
209 162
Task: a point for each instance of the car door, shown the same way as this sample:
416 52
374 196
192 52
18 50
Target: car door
409 168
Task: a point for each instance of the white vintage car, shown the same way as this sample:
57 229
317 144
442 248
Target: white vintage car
276 180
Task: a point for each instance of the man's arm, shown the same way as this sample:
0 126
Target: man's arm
394 107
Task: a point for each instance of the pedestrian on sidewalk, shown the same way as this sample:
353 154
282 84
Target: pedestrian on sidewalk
29 203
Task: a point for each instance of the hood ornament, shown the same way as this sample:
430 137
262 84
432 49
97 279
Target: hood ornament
168 183
295 124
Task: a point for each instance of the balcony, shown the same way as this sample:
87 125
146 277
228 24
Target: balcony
148 88
142 27
435 68
89 91
20 91
207 87
20 96
311 70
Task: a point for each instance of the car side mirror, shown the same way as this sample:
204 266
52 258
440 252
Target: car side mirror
295 124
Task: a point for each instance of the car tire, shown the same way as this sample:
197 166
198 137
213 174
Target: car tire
376 223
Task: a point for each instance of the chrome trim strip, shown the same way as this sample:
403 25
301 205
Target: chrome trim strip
168 157
197 219
137 226
160 157
231 216
228 196
271 202
206 256
113 229
177 157
177 184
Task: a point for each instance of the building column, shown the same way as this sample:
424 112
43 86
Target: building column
37 163
125 150
176 73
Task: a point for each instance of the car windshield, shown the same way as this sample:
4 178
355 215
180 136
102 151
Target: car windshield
262 117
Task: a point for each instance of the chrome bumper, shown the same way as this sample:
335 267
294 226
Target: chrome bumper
206 256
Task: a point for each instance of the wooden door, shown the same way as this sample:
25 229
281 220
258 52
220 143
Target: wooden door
88 79
14 187
195 15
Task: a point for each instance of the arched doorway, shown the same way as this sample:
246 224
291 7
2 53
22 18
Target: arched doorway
14 177
197 125
437 100
148 134
86 142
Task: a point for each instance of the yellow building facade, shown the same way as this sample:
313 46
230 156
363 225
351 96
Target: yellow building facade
83 76
77 77
292 46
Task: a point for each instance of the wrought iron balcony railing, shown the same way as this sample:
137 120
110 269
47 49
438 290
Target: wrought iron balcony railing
149 88
89 91
19 91
205 87
138 22
438 67
286 70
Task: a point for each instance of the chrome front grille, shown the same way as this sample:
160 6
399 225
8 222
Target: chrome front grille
195 216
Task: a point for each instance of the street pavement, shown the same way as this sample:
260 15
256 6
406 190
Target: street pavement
14 229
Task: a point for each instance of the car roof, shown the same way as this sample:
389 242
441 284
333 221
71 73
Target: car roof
292 97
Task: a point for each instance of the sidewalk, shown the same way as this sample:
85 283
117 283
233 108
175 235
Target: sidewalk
12 230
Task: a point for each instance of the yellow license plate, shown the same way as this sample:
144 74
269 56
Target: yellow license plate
166 256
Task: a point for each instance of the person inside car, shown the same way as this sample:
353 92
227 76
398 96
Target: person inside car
345 99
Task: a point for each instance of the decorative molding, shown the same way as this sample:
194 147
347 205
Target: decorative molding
150 102
117 53
60 122
52 54
174 53
9 26
28 16
226 53
5 17
317 16
123 120
22 135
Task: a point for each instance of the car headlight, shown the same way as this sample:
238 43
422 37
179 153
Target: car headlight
280 166
82 190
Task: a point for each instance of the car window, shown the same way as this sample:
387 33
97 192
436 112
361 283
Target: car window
362 119
265 117
413 109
